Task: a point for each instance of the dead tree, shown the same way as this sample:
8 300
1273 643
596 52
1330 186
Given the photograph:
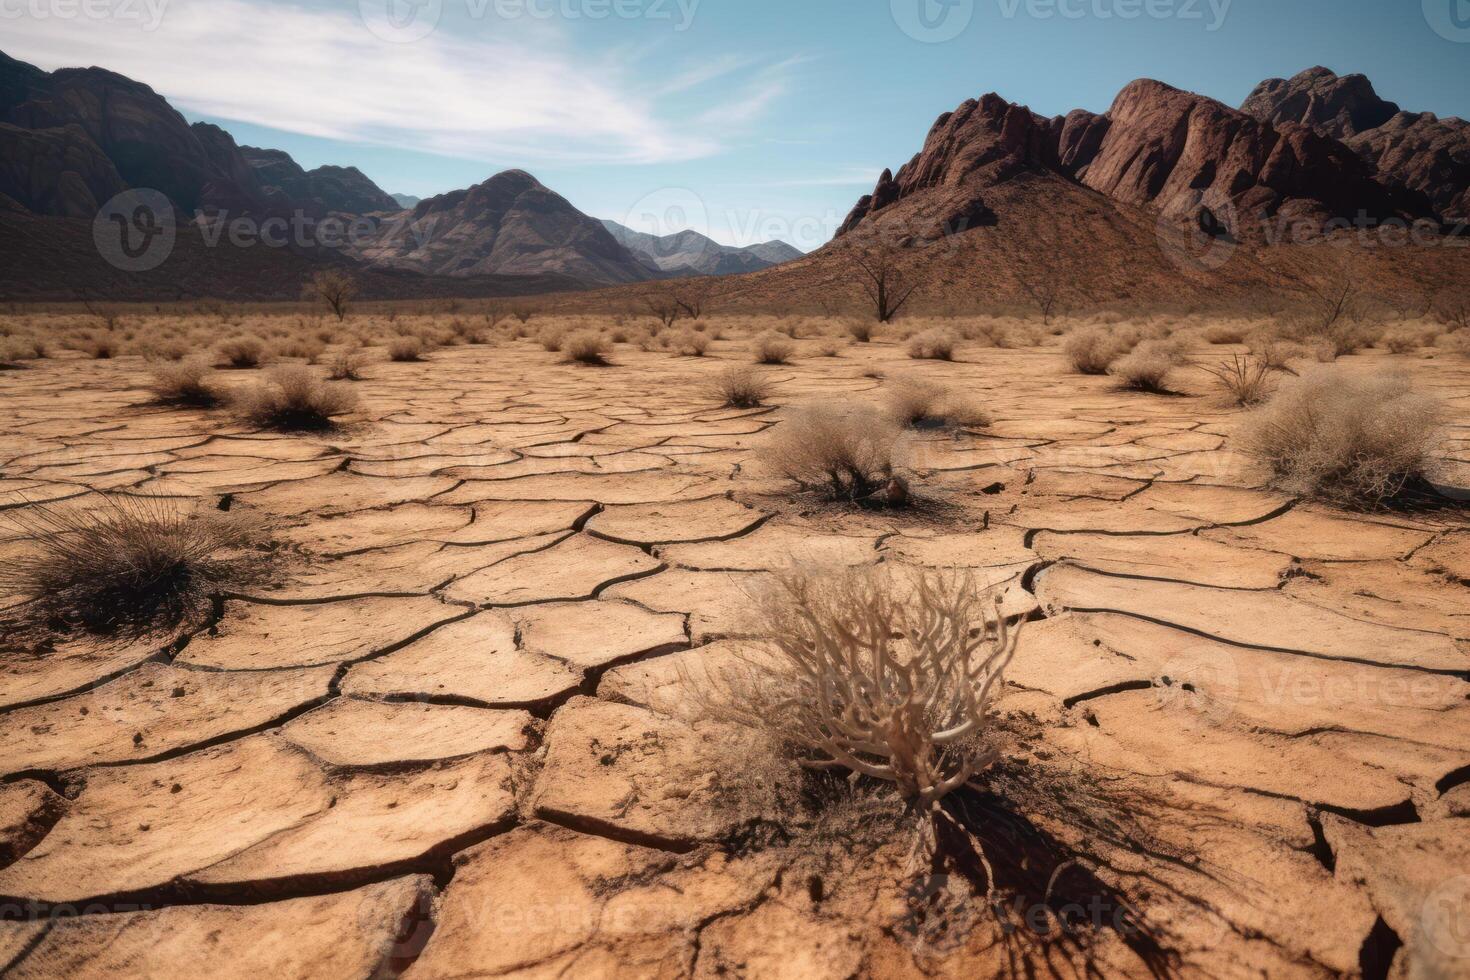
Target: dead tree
335 287
887 285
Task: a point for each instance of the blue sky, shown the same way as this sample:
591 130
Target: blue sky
746 119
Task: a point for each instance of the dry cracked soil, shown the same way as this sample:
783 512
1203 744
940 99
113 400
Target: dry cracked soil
453 737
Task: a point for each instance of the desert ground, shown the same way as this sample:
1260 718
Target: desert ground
465 723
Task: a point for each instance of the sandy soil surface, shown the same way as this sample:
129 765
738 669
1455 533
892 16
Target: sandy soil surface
451 739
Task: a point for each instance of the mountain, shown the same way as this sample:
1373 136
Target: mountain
690 253
509 225
321 191
405 200
1419 150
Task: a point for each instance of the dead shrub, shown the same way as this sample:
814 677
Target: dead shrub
691 344
923 404
772 348
1351 438
1092 350
129 568
187 382
934 345
346 365
1224 333
739 387
293 399
1147 366
101 347
859 330
845 452
406 349
586 347
877 674
243 353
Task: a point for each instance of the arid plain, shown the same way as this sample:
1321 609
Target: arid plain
461 725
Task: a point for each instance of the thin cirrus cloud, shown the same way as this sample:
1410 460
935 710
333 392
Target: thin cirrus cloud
519 93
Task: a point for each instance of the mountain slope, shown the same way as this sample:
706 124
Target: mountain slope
323 190
509 225
690 253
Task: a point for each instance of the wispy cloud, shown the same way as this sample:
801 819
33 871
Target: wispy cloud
517 93
854 176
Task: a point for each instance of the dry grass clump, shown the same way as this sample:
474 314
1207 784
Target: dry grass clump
1246 380
772 348
243 352
346 365
308 349
1092 350
1147 366
585 347
293 399
187 382
690 343
739 387
934 345
923 404
1224 333
880 675
100 346
406 349
132 567
845 452
859 330
1355 439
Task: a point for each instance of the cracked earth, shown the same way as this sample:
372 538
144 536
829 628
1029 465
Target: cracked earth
453 739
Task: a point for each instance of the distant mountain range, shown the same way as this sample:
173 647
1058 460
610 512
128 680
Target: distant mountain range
74 139
690 253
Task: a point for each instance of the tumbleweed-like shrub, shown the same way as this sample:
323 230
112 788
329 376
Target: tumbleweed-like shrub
293 399
772 348
933 345
243 352
129 567
879 674
585 347
1092 350
406 349
1147 366
739 387
187 382
845 452
923 404
690 343
346 365
1356 439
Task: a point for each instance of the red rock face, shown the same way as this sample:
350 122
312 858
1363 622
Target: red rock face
1180 154
1418 151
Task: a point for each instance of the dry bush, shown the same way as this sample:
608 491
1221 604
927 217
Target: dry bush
1247 381
934 345
132 567
1400 342
1224 333
243 352
1458 342
690 344
100 346
843 451
859 330
772 348
346 365
739 387
1147 366
1274 353
829 348
1091 350
186 382
876 674
924 404
551 339
1356 439
293 399
586 347
406 349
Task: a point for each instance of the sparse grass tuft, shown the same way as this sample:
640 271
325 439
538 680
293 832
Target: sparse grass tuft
1246 381
739 387
293 399
1354 439
130 568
